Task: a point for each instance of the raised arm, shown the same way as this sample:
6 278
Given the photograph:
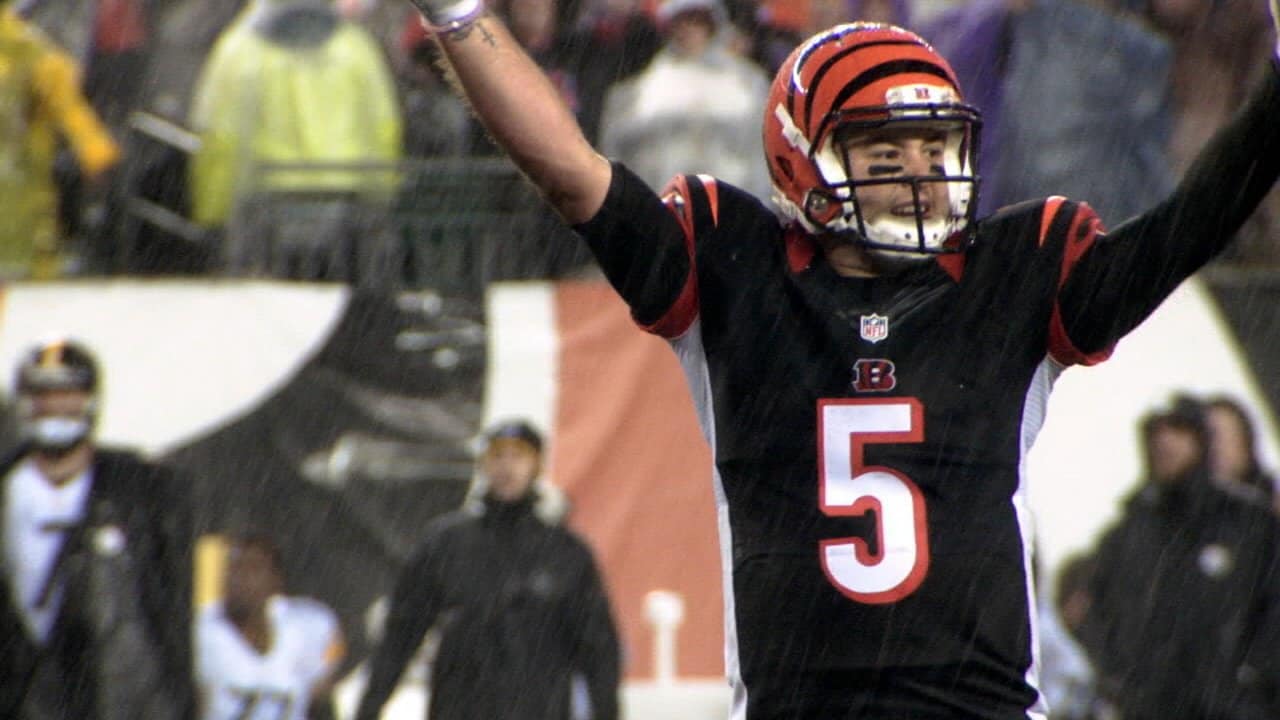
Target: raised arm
520 107
1125 275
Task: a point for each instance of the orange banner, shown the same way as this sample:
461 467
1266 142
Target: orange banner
629 453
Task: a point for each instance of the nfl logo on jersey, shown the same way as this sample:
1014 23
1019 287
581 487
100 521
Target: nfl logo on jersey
874 328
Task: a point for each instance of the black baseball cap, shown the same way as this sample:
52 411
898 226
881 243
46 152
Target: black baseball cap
514 430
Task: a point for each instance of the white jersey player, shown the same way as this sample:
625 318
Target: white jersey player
262 655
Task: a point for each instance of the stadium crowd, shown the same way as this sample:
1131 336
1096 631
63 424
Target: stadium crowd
206 133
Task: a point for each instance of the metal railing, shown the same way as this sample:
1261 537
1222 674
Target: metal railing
452 224
150 219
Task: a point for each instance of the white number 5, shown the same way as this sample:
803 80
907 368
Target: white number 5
848 488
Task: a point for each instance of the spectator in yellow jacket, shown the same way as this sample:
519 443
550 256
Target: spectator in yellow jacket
40 103
291 81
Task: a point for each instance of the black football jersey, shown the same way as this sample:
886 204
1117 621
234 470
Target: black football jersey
869 434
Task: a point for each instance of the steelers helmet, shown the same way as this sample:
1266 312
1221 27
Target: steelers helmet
59 364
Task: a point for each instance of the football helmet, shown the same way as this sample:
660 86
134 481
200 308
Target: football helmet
57 365
865 76
52 366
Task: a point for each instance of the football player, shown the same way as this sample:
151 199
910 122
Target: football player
871 362
263 655
95 558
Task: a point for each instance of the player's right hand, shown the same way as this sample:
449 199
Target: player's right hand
446 14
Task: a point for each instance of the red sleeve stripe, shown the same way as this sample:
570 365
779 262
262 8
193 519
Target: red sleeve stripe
1083 231
677 319
1080 236
713 197
1050 211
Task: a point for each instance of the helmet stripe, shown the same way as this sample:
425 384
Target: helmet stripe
816 42
879 72
833 61
797 83
52 354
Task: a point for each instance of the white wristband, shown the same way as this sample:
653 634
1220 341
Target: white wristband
452 17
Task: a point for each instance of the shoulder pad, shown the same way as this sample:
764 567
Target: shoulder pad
309 609
1015 210
1073 221
210 612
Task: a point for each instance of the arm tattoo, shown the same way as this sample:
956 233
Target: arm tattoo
464 32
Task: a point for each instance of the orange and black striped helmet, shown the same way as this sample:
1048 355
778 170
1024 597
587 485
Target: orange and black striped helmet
867 75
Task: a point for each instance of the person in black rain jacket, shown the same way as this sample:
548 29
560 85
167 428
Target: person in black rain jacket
1185 614
517 598
95 561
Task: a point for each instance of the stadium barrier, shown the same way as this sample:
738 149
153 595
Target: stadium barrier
451 224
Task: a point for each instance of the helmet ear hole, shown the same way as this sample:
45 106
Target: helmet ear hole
821 208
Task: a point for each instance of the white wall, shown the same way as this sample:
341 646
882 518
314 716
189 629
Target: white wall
178 357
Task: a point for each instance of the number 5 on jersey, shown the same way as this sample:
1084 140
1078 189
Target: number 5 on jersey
847 487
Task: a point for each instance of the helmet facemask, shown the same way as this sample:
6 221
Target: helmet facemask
56 433
57 397
835 207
